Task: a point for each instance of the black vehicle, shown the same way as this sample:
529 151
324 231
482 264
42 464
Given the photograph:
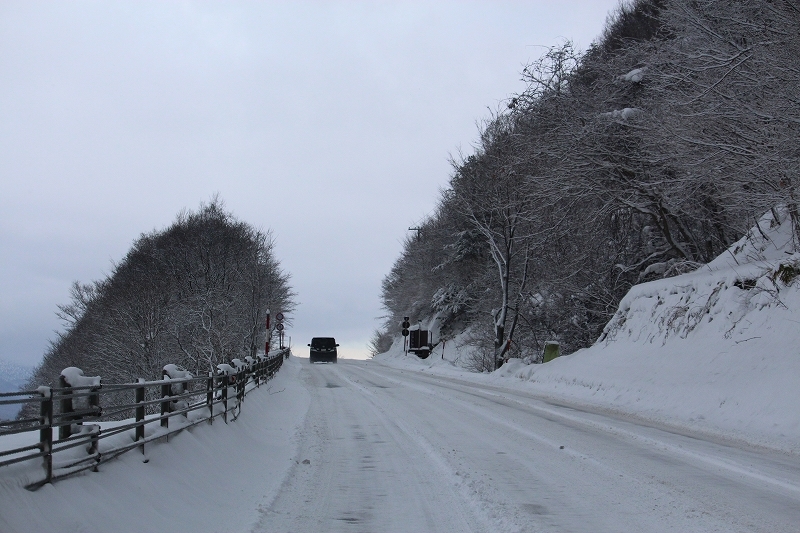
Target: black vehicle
323 349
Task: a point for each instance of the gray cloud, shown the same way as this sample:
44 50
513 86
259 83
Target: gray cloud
328 122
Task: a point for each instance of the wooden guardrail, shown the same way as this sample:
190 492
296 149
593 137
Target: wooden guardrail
90 434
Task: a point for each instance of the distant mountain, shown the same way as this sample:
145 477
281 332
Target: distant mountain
12 378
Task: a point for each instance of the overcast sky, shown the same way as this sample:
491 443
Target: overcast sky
330 123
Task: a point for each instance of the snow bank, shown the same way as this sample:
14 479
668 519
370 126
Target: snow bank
716 350
238 466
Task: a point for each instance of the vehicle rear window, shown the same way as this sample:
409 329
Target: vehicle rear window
323 342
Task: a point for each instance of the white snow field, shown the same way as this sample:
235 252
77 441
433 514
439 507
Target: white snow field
683 418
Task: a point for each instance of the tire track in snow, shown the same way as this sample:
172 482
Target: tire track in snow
774 479
477 495
681 483
365 471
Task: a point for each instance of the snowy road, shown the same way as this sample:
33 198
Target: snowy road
392 450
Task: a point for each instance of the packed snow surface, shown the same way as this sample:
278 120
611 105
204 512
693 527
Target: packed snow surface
362 446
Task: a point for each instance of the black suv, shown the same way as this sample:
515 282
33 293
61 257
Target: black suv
323 349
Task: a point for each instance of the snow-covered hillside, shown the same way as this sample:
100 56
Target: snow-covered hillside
716 350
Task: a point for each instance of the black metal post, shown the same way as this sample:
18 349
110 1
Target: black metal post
210 397
225 397
139 401
46 433
241 382
165 404
94 405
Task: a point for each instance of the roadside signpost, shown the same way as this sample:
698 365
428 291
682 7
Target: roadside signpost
406 324
279 327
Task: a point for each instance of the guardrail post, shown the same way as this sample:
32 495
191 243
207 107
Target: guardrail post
94 401
65 405
94 405
241 384
249 368
46 431
166 389
210 397
139 401
225 397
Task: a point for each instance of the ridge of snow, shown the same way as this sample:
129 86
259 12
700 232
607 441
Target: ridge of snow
75 378
176 372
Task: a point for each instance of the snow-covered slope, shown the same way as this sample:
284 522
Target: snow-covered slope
715 350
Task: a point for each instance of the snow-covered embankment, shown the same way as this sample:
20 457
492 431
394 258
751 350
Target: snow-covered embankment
716 350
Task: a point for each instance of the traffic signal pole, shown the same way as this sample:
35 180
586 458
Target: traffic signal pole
405 325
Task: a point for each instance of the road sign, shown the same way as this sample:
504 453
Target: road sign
404 332
279 317
279 326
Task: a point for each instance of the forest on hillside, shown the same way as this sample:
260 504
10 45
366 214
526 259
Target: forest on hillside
643 157
195 294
